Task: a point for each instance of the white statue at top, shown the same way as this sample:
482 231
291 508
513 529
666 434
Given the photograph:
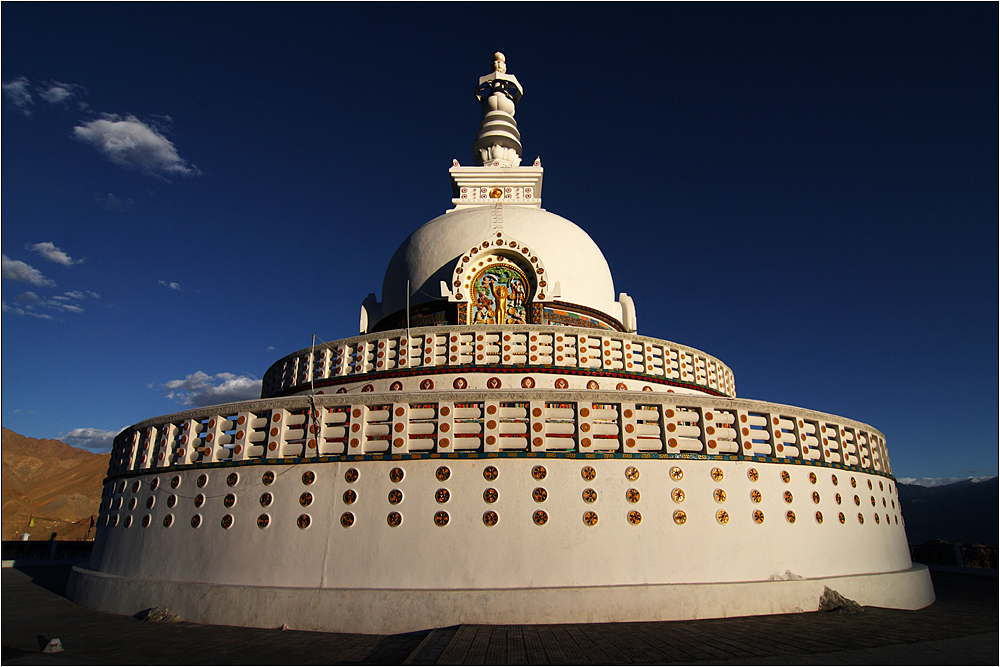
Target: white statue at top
499 63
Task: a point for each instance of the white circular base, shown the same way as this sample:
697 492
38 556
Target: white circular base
391 611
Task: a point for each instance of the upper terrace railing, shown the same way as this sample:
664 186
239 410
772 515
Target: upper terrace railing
496 422
523 345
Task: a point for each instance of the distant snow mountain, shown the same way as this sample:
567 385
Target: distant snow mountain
57 484
963 512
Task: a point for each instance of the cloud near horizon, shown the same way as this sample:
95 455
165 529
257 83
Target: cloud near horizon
93 439
49 251
17 95
200 389
128 142
939 481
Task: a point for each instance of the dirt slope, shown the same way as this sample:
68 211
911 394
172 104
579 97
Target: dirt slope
57 484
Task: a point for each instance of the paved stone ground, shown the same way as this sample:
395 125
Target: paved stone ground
960 629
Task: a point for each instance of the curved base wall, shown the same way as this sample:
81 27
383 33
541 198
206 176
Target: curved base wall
391 611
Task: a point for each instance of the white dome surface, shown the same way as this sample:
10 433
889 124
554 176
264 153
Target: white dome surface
570 256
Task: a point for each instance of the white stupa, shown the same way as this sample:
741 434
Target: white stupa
498 446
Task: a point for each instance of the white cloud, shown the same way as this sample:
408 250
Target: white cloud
55 92
26 297
130 143
171 285
17 270
17 95
93 439
14 310
77 294
49 251
200 389
113 203
939 481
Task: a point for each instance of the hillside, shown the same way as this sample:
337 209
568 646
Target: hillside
963 512
57 484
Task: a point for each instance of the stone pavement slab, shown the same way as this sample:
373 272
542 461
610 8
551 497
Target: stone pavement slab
960 628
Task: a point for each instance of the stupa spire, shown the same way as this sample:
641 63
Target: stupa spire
498 143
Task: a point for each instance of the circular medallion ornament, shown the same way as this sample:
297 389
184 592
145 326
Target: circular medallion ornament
676 474
677 495
758 516
350 496
229 500
588 473
195 520
368 388
621 386
233 479
753 475
262 521
128 521
490 495
755 496
632 495
722 516
837 498
861 518
841 517
631 473
540 517
562 383
441 518
590 518
538 472
133 502
396 386
490 518
346 519
819 517
171 500
227 521
589 496
351 476
202 481
528 383
785 477
155 482
396 475
812 477
135 486
308 477
833 478
265 499
854 483
857 501
199 500
869 485
427 384
267 478
442 473
460 383
680 517
442 495
592 384
168 521
790 516
149 502
146 519
788 496
720 496
816 497
494 383
717 474
395 497
490 473
394 519
306 499
175 481
539 495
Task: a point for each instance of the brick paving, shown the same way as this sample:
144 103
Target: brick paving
960 628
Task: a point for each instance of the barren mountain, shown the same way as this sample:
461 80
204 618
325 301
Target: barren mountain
57 484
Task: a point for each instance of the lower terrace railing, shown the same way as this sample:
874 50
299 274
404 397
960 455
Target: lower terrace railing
563 347
531 421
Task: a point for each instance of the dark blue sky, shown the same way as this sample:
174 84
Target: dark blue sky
808 192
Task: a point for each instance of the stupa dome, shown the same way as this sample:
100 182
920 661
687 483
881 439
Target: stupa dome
571 258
